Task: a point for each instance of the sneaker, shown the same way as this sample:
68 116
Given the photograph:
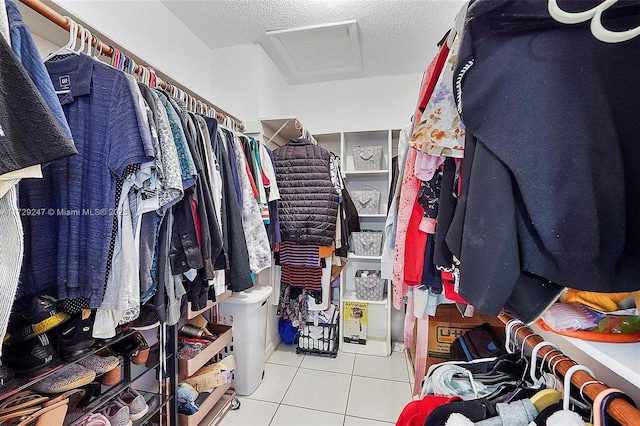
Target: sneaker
41 316
107 365
117 414
71 376
147 319
32 358
135 401
92 419
74 338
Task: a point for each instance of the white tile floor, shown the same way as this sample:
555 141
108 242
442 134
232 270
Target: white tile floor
350 390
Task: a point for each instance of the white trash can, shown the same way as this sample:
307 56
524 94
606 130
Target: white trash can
246 311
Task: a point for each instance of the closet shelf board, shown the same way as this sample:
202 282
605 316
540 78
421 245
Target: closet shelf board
621 358
353 256
373 215
350 296
366 173
374 346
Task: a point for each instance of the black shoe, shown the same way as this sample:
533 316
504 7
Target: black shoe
41 316
7 380
127 346
32 358
74 338
147 319
109 340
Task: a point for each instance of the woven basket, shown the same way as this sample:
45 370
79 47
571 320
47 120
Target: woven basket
367 158
367 243
370 287
366 200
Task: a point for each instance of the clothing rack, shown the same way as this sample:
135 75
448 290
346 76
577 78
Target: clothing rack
108 50
619 409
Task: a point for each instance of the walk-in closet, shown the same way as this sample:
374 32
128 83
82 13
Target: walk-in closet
319 212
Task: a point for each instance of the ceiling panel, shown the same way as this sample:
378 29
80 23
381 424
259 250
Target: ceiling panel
396 36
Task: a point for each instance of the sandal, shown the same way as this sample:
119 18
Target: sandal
50 415
21 400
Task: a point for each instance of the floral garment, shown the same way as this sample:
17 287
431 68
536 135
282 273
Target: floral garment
440 130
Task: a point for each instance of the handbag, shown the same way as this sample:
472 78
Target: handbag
367 158
367 200
369 285
367 243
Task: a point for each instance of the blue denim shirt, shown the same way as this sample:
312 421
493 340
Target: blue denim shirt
25 49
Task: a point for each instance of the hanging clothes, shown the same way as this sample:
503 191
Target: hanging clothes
582 234
309 201
235 246
106 133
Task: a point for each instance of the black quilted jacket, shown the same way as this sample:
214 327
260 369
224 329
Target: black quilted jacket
308 207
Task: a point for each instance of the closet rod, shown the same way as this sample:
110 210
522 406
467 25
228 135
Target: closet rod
107 50
619 409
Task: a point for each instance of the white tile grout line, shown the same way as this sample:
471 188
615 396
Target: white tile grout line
285 392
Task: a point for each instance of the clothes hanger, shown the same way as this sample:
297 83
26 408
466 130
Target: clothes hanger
89 42
566 393
601 402
507 332
537 382
69 47
595 15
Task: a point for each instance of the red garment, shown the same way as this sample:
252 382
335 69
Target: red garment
415 245
415 413
196 221
429 80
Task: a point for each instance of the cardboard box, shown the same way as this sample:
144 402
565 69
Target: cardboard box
213 375
355 323
447 325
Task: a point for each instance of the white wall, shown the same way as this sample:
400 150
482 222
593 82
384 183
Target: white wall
357 104
246 82
273 96
150 31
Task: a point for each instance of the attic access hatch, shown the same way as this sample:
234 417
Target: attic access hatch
319 50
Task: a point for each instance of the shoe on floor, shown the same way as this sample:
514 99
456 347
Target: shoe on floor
32 358
74 338
117 414
39 317
70 376
135 401
108 365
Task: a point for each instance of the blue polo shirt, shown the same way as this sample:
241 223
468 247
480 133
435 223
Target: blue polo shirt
69 244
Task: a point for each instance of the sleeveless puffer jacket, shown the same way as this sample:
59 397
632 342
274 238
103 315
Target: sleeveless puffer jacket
308 207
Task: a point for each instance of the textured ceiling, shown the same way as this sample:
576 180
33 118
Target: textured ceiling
396 36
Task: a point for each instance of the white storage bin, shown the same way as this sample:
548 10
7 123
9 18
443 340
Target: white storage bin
246 311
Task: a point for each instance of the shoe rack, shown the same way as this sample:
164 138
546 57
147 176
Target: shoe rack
212 404
160 399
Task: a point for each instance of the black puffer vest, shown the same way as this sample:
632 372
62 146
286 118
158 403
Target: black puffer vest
308 207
